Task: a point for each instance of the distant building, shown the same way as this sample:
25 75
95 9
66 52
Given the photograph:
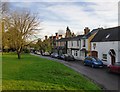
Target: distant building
74 45
61 45
53 40
69 33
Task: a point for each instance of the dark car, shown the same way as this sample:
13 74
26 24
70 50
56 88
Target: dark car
114 68
54 55
67 57
93 62
60 56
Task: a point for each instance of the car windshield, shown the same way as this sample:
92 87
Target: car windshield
96 59
117 64
66 54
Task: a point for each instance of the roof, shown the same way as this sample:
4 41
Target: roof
70 38
76 38
109 34
91 33
63 39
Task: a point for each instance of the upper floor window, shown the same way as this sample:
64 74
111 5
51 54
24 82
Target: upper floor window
72 43
77 43
84 43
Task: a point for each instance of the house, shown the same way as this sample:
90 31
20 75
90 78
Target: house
61 45
85 42
53 41
73 46
106 45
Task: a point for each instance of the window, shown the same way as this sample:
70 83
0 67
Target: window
72 43
77 43
94 45
84 43
107 36
75 53
104 57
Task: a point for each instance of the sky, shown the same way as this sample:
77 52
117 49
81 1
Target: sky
56 15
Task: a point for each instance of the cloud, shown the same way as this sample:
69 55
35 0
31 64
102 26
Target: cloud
76 14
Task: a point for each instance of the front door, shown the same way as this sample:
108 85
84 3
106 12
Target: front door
94 53
112 60
113 56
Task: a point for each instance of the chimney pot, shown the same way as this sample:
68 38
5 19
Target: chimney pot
86 30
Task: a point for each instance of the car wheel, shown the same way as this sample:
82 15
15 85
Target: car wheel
109 70
93 65
65 59
84 64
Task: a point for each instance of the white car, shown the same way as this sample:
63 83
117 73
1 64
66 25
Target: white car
46 54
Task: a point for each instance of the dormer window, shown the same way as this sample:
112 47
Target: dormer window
107 36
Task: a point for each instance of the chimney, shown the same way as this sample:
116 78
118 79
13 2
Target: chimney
73 35
60 36
56 34
86 30
45 37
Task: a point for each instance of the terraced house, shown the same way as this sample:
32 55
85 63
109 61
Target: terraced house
74 45
106 45
85 49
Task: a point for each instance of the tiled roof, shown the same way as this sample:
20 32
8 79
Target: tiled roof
109 34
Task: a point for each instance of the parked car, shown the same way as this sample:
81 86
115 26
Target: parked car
54 55
67 57
38 53
61 56
93 61
46 54
114 68
35 52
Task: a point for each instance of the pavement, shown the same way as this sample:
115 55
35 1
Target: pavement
100 76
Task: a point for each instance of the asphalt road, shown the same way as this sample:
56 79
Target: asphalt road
108 81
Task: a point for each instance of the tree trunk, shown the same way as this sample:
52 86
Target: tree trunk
19 54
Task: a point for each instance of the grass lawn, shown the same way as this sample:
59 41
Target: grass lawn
35 73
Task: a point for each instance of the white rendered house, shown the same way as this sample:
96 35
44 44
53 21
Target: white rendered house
106 45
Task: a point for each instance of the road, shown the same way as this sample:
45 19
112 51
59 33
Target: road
107 81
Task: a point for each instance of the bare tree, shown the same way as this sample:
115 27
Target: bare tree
21 26
4 7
